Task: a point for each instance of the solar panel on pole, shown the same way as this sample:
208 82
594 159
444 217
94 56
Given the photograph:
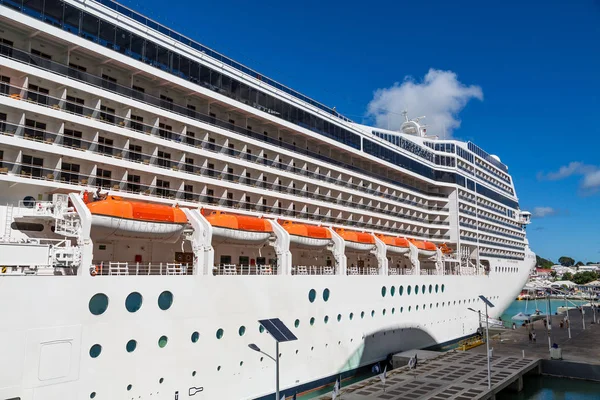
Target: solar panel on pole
278 330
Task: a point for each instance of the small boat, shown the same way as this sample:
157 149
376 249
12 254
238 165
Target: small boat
426 249
359 241
238 229
395 245
309 236
115 217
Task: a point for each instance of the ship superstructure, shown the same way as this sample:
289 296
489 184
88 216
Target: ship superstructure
158 199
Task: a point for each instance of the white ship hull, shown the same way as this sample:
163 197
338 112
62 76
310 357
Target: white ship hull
55 310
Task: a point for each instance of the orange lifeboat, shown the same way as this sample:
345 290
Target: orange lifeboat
303 235
445 249
395 244
357 240
116 217
238 229
427 249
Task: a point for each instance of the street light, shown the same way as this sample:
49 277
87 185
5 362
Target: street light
487 337
280 333
276 359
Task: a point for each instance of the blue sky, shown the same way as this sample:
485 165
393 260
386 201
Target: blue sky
536 63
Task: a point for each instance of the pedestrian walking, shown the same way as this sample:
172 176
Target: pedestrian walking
533 335
530 337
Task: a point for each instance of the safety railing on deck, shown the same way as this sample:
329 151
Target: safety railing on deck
234 269
313 270
133 268
352 270
400 271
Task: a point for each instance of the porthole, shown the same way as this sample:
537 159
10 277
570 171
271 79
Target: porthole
195 337
220 333
131 345
165 300
92 395
326 294
312 348
297 323
400 290
326 319
351 316
312 321
417 307
392 290
219 368
193 373
442 288
372 313
437 305
162 341
430 288
261 359
339 317
436 288
133 302
409 307
95 350
161 380
261 328
362 314
129 387
241 363
393 310
423 289
383 291
416 289
98 304
401 310
242 330
408 289
312 295
383 312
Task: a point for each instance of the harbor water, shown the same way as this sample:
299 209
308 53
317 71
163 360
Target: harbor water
550 388
530 306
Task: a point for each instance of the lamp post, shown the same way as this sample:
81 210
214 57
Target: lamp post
276 359
487 337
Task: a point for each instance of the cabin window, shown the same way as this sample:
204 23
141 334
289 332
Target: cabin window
74 105
261 260
135 153
32 166
164 159
34 129
133 183
136 123
40 54
162 188
4 82
103 178
105 146
69 172
189 164
188 192
244 260
225 260
107 114
27 227
72 138
165 131
108 82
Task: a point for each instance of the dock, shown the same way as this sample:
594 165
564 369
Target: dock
462 375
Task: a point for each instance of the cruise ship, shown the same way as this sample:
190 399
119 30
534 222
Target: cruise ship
158 199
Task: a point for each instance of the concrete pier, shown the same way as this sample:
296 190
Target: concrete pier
463 375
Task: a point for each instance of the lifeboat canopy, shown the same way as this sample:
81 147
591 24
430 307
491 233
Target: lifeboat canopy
238 229
395 244
303 235
425 248
116 217
357 240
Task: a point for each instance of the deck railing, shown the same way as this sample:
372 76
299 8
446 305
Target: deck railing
235 269
135 268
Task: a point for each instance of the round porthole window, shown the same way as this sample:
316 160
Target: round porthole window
129 387
95 350
165 300
383 291
408 289
339 317
220 333
242 330
362 314
416 289
326 294
392 290
195 337
436 288
297 323
326 319
443 288
133 302
383 312
400 290
312 295
351 316
423 289
98 304
393 310
131 345
92 395
162 341
312 321
430 288
372 313
261 328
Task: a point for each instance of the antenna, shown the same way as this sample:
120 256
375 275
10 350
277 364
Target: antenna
405 115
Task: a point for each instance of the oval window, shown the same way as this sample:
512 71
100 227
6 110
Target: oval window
98 304
133 302
165 300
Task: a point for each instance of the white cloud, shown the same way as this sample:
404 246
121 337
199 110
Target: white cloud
440 97
541 212
590 173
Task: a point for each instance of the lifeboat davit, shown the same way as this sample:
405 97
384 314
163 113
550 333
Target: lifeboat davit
395 244
238 229
310 236
357 240
114 217
427 249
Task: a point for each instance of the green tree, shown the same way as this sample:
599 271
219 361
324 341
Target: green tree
543 263
567 276
581 278
566 261
553 274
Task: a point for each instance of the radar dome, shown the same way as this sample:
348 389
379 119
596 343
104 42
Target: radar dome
495 157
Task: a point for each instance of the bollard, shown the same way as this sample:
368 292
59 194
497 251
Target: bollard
523 353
